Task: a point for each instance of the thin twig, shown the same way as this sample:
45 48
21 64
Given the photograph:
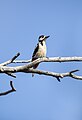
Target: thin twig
22 61
10 74
10 61
9 91
15 57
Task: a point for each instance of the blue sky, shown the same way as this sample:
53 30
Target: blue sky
41 97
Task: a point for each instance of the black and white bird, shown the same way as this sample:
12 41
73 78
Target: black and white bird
40 50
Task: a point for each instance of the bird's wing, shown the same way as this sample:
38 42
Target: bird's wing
35 51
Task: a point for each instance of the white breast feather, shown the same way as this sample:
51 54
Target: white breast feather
42 50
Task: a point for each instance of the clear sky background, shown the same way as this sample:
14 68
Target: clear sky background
41 97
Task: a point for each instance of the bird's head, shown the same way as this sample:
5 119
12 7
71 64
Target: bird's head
42 38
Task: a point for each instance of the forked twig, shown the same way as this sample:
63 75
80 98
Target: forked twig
9 91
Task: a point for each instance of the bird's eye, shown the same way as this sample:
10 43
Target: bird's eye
42 36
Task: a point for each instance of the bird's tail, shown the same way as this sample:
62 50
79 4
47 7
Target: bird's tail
32 74
34 67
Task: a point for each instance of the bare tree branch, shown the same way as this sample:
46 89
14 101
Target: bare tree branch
9 91
28 68
56 75
53 59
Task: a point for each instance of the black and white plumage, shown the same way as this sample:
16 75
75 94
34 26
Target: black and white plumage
40 50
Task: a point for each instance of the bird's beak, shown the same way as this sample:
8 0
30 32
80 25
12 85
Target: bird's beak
47 37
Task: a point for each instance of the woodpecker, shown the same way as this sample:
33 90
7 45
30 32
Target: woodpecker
40 50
